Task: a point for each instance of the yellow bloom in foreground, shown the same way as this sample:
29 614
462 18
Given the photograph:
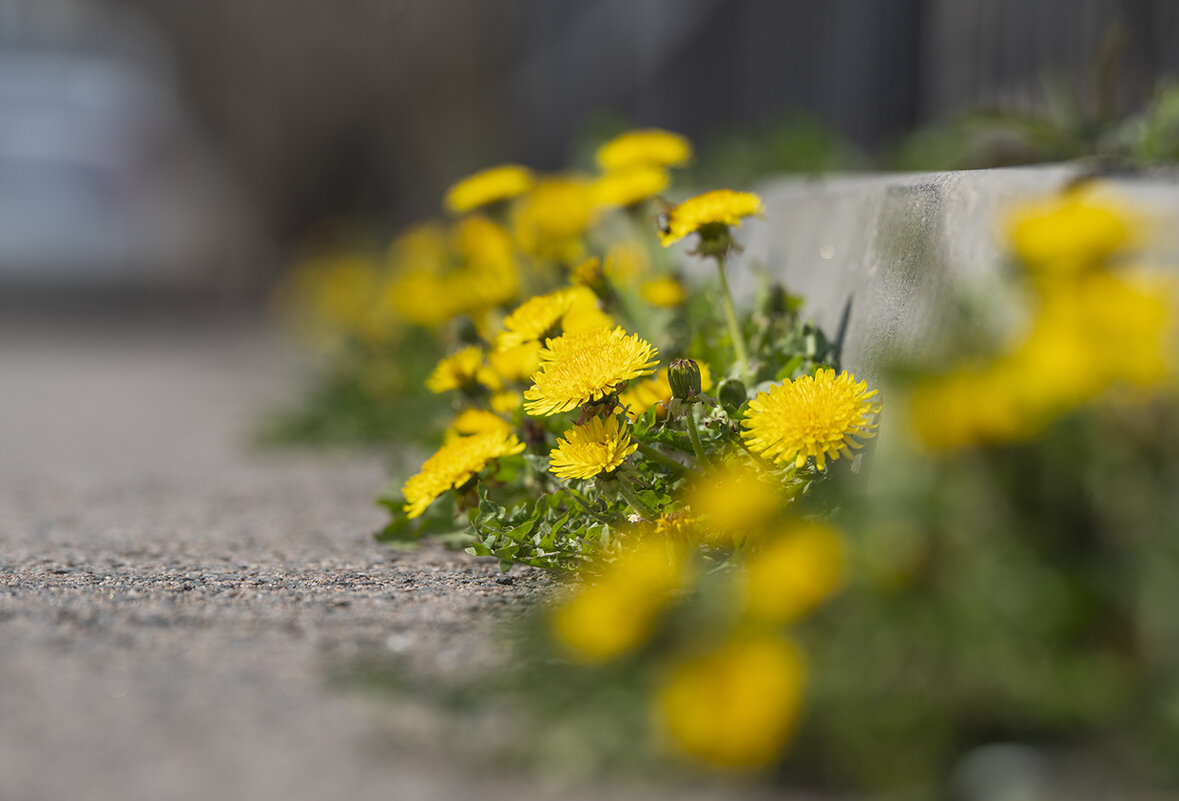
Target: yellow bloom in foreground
615 612
489 186
820 417
455 463
665 292
599 445
629 186
646 393
566 311
516 363
462 371
644 147
734 707
1068 233
709 212
794 571
735 505
579 368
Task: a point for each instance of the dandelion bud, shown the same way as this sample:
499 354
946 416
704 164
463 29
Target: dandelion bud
732 393
684 377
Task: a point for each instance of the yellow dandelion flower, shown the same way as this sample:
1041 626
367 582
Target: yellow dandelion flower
590 274
578 368
793 572
614 613
596 446
644 147
820 417
548 221
489 186
631 185
625 262
665 292
487 275
506 402
736 706
462 371
516 364
734 505
709 213
476 421
566 311
644 394
454 464
1069 233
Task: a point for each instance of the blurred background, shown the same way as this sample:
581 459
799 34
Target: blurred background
169 148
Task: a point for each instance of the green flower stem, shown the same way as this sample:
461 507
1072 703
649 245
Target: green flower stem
627 490
697 447
661 459
731 318
584 502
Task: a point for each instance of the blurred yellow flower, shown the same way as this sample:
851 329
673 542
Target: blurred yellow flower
630 185
1092 333
647 147
711 212
454 464
332 297
793 571
644 394
489 186
441 273
734 707
566 311
476 421
462 370
1070 232
599 445
735 504
615 612
506 402
579 368
549 220
517 363
665 292
820 417
625 262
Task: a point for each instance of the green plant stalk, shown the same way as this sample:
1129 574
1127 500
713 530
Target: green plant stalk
661 459
627 490
693 434
731 318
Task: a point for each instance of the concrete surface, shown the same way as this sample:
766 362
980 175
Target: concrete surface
885 251
173 606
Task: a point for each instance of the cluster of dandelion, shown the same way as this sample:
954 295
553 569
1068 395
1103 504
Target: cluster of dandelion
568 423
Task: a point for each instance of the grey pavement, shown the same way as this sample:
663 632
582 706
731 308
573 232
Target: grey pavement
173 605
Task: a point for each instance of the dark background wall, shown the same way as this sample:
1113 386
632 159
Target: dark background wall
371 107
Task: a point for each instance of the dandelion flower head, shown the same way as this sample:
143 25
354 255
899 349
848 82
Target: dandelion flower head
489 186
566 311
820 416
1069 233
665 292
462 370
646 147
614 612
453 465
476 421
549 220
631 185
578 368
711 212
734 707
793 572
599 445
